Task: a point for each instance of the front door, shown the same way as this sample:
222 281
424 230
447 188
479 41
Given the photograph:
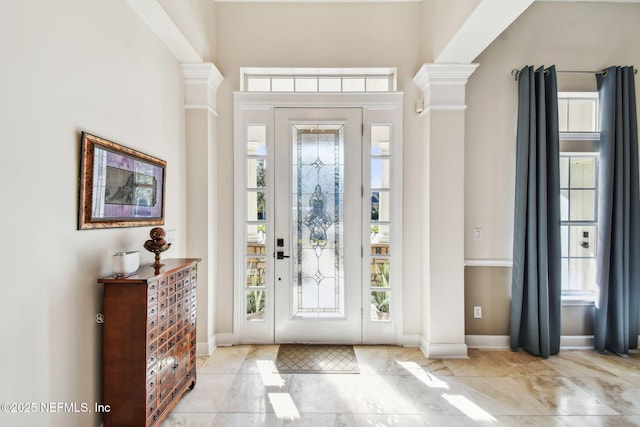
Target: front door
318 225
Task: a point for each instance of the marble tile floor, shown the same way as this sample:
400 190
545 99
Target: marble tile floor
238 386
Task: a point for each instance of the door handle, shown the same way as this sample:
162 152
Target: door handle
281 255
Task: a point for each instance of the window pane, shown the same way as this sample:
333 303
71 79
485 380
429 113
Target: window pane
377 84
564 205
582 205
562 114
564 263
256 206
380 205
583 172
564 172
255 272
380 172
380 239
353 84
582 274
330 84
258 84
256 141
282 84
582 115
380 136
583 241
255 304
380 305
256 239
564 241
380 272
305 84
256 173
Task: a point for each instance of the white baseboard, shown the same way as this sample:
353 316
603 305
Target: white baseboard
501 342
226 339
410 340
578 342
206 348
443 350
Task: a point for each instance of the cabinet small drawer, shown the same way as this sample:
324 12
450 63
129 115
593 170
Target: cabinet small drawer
162 305
151 397
172 300
180 275
152 299
172 320
162 350
152 311
163 283
153 414
172 278
152 322
180 284
163 327
152 347
162 316
152 334
179 294
172 288
152 373
152 359
153 286
163 293
163 338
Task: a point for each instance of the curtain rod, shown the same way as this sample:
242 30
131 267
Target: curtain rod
516 73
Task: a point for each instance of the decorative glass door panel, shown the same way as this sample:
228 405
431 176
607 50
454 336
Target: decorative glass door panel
318 223
318 220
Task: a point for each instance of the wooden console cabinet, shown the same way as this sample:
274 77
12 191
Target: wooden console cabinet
149 342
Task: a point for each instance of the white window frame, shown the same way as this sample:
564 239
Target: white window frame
258 109
270 73
581 144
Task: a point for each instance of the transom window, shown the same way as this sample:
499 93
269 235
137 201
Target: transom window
318 80
579 147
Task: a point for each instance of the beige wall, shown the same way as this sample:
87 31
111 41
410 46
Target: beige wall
444 18
193 18
98 69
318 35
573 36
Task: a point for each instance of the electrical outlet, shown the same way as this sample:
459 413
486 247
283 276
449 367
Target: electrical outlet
171 236
477 312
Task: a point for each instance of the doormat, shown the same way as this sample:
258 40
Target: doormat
316 359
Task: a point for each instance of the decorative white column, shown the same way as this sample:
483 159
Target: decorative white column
201 81
443 88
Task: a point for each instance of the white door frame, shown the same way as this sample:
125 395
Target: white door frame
259 108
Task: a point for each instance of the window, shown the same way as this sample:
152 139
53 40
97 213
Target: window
579 139
318 80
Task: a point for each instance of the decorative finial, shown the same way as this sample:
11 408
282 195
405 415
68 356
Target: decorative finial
157 244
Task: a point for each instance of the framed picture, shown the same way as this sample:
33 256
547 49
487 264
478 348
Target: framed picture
119 186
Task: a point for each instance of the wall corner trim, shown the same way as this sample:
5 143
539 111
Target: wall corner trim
443 350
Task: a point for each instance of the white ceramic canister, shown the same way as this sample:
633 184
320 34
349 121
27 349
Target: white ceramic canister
125 263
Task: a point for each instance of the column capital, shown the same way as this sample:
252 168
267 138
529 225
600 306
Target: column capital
443 85
201 82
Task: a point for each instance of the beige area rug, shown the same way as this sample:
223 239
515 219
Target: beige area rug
316 359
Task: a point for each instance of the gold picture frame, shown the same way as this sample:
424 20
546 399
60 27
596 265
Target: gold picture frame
119 186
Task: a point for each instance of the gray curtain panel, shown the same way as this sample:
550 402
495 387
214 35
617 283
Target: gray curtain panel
536 281
618 256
